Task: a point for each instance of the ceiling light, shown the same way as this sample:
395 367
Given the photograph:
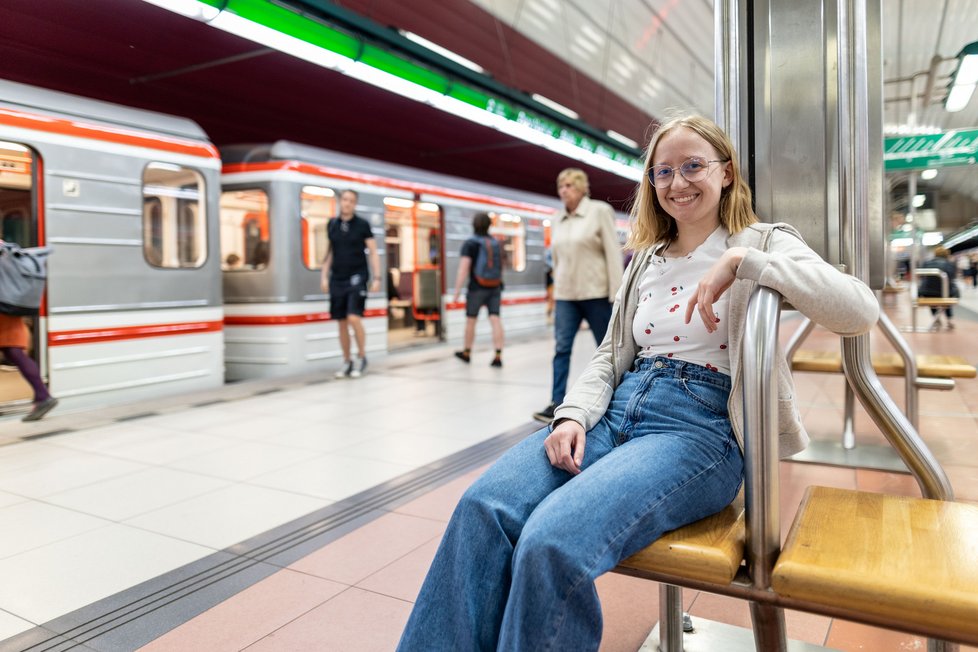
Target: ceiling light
445 52
964 79
559 108
927 175
919 200
528 125
624 140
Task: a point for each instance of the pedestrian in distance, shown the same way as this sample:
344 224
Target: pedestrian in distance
344 277
480 264
14 342
587 266
650 437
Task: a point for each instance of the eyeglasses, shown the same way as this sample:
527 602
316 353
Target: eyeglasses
693 169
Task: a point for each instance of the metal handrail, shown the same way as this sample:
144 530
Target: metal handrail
762 494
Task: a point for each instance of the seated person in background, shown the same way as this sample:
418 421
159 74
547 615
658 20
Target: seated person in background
931 286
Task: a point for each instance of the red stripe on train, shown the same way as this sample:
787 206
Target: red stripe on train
95 335
288 320
67 127
419 188
515 301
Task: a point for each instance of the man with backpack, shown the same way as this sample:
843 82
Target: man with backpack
481 262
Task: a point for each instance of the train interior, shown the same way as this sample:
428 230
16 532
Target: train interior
415 282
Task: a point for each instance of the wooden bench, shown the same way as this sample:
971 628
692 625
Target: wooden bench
905 560
933 372
886 364
709 550
936 302
892 561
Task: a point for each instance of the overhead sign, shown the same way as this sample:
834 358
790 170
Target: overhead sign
956 147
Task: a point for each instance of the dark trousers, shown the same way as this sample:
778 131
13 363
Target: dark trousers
567 321
28 369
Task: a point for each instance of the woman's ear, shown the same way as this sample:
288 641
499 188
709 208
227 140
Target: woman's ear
727 174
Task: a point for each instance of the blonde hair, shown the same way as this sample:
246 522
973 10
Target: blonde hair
576 176
651 224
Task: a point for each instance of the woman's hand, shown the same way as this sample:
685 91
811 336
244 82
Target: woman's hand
720 277
565 446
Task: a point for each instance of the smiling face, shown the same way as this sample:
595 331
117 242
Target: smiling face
691 204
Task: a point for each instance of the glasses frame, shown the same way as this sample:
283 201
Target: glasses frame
672 170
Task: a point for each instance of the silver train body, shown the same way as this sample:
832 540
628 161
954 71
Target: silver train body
275 309
176 267
116 192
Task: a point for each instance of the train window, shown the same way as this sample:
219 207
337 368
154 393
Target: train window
510 230
244 230
16 194
174 223
318 206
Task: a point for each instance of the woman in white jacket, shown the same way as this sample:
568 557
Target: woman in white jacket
650 436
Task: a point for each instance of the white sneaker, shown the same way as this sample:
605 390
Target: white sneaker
347 371
359 370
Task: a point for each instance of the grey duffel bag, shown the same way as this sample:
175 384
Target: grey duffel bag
23 273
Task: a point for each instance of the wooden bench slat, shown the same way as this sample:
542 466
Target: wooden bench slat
937 302
908 559
709 550
886 364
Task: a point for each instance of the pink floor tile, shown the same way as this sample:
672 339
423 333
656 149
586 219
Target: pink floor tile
402 579
370 548
355 620
630 609
439 504
250 615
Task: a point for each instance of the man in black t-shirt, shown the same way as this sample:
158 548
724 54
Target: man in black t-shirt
344 277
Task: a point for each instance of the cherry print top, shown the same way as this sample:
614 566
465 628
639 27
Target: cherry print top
664 290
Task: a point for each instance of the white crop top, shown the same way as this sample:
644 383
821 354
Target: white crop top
664 290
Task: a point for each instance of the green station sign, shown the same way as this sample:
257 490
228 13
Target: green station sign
951 148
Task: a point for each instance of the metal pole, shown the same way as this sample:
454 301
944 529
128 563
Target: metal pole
670 618
761 487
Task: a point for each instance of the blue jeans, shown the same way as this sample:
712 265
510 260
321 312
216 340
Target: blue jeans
516 567
567 321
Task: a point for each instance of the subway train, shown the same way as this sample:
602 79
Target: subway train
177 266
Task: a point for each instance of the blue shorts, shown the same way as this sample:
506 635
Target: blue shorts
491 298
347 297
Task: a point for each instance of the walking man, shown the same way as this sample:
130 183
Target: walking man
587 271
344 277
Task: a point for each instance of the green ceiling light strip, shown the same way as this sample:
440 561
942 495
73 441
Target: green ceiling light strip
307 37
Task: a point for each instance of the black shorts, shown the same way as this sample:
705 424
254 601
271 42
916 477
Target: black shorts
347 297
491 298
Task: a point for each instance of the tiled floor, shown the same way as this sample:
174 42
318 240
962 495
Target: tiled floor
87 506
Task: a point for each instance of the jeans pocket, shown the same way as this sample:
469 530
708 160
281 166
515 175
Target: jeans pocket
708 395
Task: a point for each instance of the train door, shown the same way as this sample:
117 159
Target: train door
414 242
19 224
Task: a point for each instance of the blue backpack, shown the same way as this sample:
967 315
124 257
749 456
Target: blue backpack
488 270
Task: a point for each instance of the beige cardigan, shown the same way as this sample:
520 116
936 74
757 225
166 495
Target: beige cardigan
778 258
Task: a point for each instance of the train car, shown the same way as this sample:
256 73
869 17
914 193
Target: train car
276 201
128 200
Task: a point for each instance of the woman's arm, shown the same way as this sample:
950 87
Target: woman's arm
837 301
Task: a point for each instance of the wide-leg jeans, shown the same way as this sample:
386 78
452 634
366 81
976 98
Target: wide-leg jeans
516 567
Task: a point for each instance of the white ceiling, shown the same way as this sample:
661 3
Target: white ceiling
658 54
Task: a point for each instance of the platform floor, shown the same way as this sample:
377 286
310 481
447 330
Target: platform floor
302 515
